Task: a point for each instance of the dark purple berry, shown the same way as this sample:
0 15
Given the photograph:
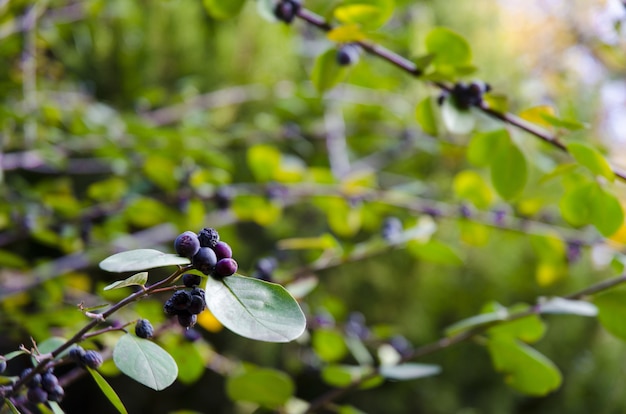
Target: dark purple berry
49 382
223 251
574 250
169 308
144 329
180 300
35 381
208 237
3 365
224 268
37 395
223 198
355 325
348 54
76 354
57 394
191 280
186 319
192 335
401 345
286 10
196 306
197 292
392 229
205 260
187 244
92 359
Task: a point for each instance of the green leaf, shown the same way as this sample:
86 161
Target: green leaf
255 309
329 345
138 279
140 259
564 306
264 162
527 370
108 391
145 362
12 407
449 47
409 371
338 375
470 186
475 321
346 33
436 251
557 122
457 120
485 145
55 407
223 9
591 159
612 312
550 248
575 204
425 115
509 171
267 387
51 344
606 212
528 329
370 14
327 72
189 361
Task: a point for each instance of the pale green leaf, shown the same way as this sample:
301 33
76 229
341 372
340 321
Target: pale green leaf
327 72
592 159
509 171
108 391
457 120
141 259
138 279
266 387
409 371
223 9
449 47
564 306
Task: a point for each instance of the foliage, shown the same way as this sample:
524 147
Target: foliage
379 202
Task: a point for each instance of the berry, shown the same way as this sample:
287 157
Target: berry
144 329
92 359
187 244
3 365
222 250
205 260
180 300
76 354
196 306
169 308
49 382
355 325
348 54
191 280
392 229
208 237
35 381
225 267
186 319
401 345
286 10
192 335
265 267
223 198
37 395
197 292
57 394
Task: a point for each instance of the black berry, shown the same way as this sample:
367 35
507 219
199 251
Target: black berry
191 280
348 54
187 244
208 237
180 300
286 10
57 394
76 354
37 395
92 359
49 382
35 381
205 260
223 198
222 250
225 267
196 306
144 329
186 319
3 365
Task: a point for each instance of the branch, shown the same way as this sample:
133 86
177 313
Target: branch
410 68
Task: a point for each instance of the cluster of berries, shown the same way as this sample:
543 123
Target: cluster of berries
467 95
287 10
207 253
90 359
186 305
43 387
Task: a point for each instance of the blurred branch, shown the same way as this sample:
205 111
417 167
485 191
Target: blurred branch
447 342
410 68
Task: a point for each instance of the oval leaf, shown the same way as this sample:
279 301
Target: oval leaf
138 279
425 115
449 47
267 387
145 362
223 9
606 212
108 391
255 309
612 312
591 159
569 307
409 371
327 72
367 13
509 171
140 259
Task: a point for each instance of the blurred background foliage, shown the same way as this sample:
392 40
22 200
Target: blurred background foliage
123 123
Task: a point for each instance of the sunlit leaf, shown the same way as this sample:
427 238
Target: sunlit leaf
409 371
470 186
138 279
255 309
612 312
267 387
263 161
592 159
108 391
528 329
189 361
346 33
329 345
367 13
536 114
509 171
449 47
437 252
223 9
141 259
145 362
607 213
484 145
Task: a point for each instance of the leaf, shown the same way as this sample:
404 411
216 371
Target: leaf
564 306
346 33
12 407
612 312
470 186
140 259
367 13
409 371
591 159
55 407
475 321
550 248
575 204
108 391
425 115
301 287
527 370
509 171
437 252
485 145
607 213
145 362
329 345
51 344
528 329
449 47
327 72
263 161
557 122
536 114
138 279
255 309
457 120
189 361
223 9
267 387
344 375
